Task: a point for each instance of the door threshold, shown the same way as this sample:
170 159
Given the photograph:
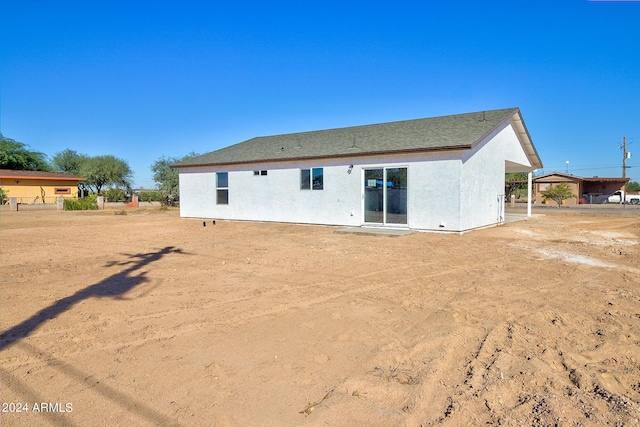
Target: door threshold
375 231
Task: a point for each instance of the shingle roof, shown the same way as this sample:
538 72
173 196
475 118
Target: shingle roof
458 131
10 173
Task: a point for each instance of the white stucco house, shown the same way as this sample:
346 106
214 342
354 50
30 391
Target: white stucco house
443 173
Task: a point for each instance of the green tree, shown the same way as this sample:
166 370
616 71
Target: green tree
558 193
166 178
106 171
15 155
633 186
68 161
513 182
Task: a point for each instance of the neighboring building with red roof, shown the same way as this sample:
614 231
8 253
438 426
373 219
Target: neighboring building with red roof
588 189
37 186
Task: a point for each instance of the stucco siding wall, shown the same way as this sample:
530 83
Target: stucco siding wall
483 177
433 182
197 193
277 197
432 199
510 149
481 185
274 197
434 193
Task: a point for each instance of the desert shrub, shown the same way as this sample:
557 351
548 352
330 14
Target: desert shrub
150 196
558 193
86 204
115 195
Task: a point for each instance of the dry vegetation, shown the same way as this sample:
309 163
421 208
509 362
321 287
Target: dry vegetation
149 319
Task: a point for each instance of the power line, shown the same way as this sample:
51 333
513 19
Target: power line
558 167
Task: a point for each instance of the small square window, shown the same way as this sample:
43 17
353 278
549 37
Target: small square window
256 173
222 197
222 180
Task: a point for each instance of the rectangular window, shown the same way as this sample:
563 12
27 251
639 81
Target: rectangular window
62 190
263 173
305 179
312 179
317 179
258 173
222 188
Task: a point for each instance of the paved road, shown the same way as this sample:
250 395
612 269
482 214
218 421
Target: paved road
612 209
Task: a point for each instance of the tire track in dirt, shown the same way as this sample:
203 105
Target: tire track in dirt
512 357
350 292
281 290
291 289
495 370
238 314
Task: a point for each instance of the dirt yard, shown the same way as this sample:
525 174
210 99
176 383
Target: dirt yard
149 319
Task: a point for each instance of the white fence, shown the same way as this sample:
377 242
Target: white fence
26 204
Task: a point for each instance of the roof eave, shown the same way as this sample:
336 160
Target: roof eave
333 156
525 138
36 178
515 118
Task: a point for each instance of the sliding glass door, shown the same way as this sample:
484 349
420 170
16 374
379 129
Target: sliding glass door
385 196
374 196
396 196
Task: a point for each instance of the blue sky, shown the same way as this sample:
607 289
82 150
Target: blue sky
142 80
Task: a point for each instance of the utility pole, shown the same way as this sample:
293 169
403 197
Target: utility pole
624 157
623 198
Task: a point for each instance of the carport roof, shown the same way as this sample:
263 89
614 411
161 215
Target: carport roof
454 132
550 176
596 179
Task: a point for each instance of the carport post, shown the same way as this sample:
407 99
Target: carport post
529 179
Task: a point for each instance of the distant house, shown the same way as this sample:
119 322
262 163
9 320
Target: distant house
444 173
37 186
587 189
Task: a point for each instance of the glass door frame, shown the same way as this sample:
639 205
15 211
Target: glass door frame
384 222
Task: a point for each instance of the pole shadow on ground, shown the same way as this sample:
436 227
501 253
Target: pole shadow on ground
114 286
127 402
